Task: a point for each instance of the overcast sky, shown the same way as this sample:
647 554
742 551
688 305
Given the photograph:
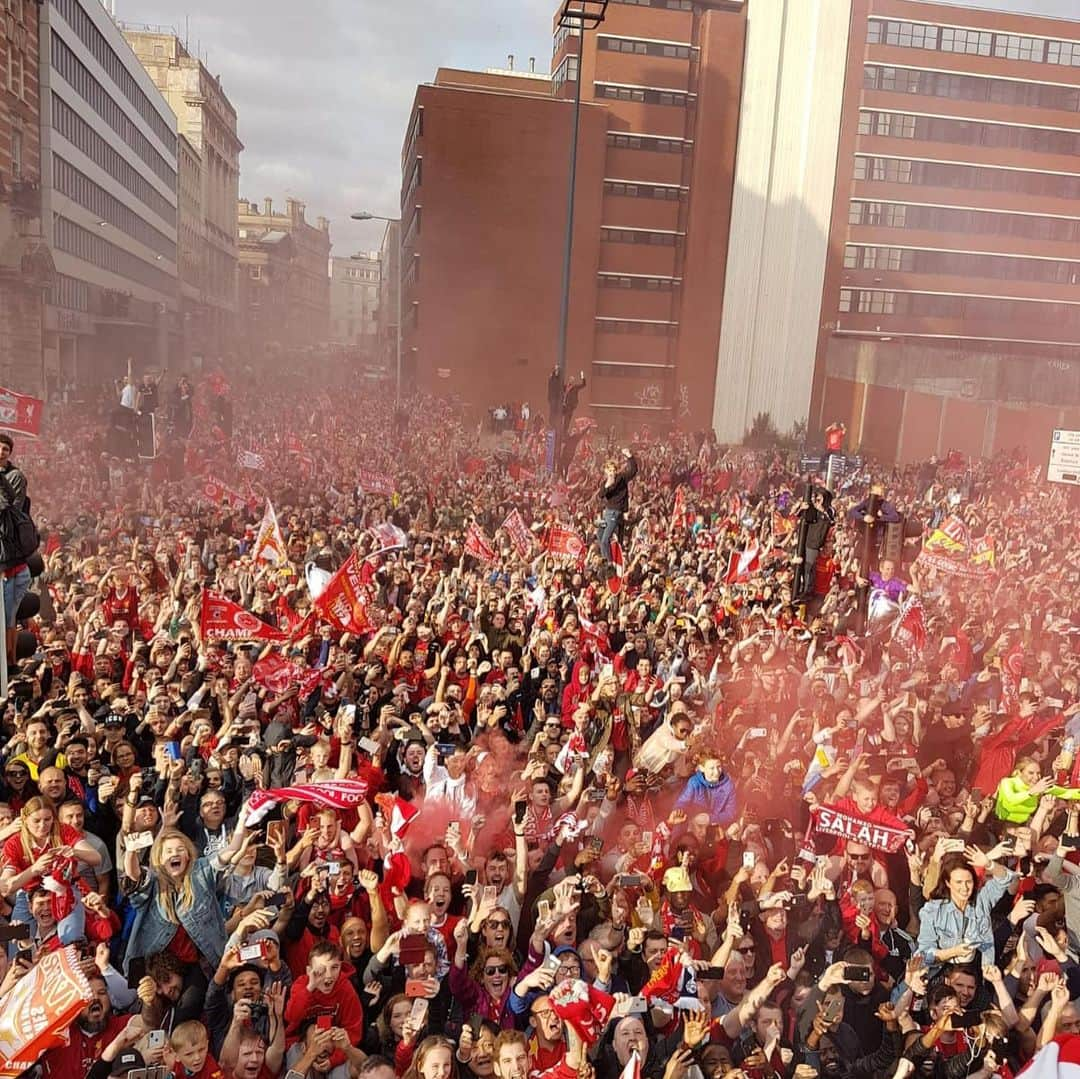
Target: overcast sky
323 89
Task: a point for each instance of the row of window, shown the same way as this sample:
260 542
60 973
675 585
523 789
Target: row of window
644 48
659 144
416 131
96 250
638 327
960 263
644 94
68 65
69 292
415 180
1034 95
975 308
67 122
632 190
646 284
567 71
897 170
969 132
81 189
16 71
976 222
670 5
913 35
639 236
102 52
562 35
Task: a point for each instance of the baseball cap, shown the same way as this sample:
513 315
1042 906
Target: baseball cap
263 934
125 1061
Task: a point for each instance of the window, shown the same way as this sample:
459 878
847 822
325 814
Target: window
617 92
891 170
1015 47
16 71
1063 52
95 249
16 153
566 72
639 326
905 35
611 234
638 281
971 42
660 144
845 300
69 292
255 273
642 47
888 124
629 189
876 302
671 5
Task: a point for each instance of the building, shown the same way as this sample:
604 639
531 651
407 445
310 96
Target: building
354 304
208 244
109 200
389 294
284 284
26 267
950 315
484 202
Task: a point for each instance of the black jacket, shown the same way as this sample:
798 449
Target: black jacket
617 496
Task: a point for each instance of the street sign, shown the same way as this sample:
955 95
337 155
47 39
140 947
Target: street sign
1064 466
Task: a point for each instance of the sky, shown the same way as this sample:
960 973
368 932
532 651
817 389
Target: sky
323 89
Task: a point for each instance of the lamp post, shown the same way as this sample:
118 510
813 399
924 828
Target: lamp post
363 215
579 15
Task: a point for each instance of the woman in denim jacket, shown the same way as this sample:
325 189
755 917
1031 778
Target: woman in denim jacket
955 925
177 908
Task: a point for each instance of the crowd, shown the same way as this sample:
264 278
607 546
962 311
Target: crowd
745 792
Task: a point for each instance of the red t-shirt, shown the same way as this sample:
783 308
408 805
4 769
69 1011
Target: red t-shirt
82 1052
14 856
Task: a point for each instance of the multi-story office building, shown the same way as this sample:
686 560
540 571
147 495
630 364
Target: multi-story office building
208 246
951 310
354 303
484 203
26 267
389 290
284 280
109 197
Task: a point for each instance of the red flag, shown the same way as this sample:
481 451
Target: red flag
330 794
884 837
618 562
477 544
564 543
224 620
343 603
20 413
520 537
473 465
276 673
1012 671
742 565
680 519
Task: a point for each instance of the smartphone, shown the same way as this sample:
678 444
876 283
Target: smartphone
275 831
155 1040
252 953
711 973
595 844
634 1006
749 860
470 877
1009 842
647 839
138 840
414 987
551 964
756 732
520 809
543 910
853 973
952 846
333 869
491 893
633 880
324 1022
172 751
594 794
15 931
419 1010
413 947
136 971
368 745
1053 702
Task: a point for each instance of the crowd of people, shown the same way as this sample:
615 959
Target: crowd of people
693 776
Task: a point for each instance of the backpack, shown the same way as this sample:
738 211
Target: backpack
19 536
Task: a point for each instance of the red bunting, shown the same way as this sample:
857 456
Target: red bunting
224 620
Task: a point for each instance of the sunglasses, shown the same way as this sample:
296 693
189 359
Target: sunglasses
502 968
749 948
497 923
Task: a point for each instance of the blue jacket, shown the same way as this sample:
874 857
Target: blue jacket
716 799
203 921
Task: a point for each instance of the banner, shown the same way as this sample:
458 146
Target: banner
37 1010
216 492
949 549
1012 674
269 544
20 413
224 620
521 538
252 460
477 544
389 535
742 565
375 483
564 543
829 821
330 794
275 673
343 602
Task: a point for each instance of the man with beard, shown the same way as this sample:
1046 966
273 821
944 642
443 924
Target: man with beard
93 1029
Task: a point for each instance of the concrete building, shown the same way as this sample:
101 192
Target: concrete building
284 282
354 303
950 316
389 290
207 120
109 197
484 201
26 267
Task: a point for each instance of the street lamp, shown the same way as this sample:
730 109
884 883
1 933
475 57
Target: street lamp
363 215
574 15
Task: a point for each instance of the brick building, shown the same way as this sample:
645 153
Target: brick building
26 266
